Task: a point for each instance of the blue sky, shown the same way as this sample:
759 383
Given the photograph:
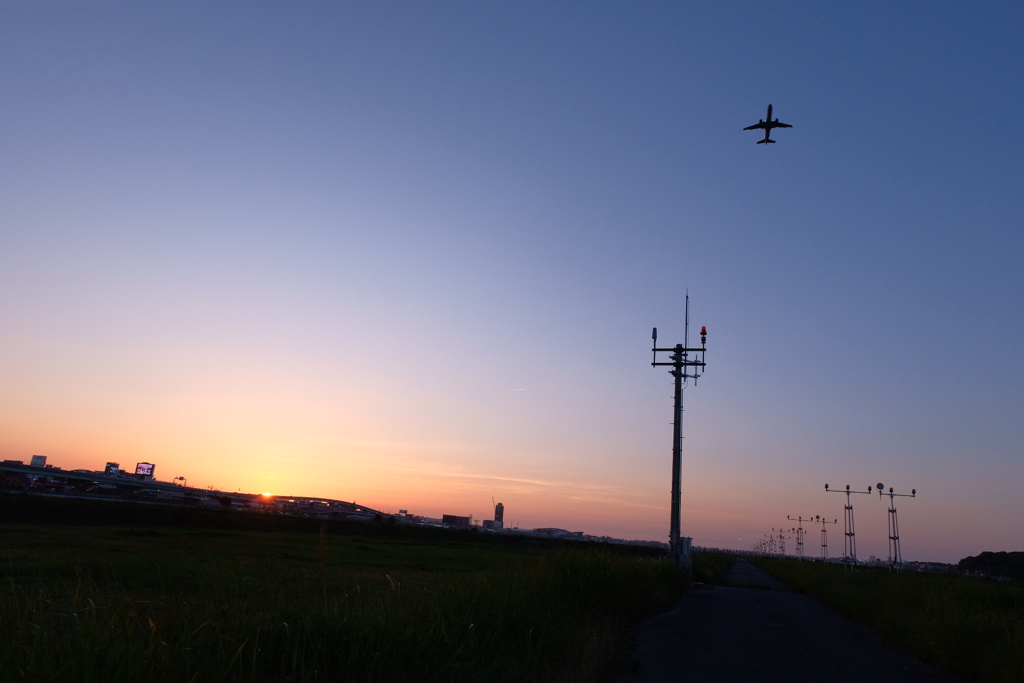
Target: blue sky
411 253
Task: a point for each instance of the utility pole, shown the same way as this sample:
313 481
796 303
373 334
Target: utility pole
895 557
680 361
850 546
824 535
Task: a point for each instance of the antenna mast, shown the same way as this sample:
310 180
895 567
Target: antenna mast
680 361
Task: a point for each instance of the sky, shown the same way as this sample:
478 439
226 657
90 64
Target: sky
410 254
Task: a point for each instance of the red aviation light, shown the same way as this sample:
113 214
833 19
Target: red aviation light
704 334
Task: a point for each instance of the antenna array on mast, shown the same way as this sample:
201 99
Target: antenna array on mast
684 366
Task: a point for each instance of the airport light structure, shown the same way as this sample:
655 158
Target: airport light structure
767 545
799 533
761 547
782 538
895 556
818 519
850 544
686 363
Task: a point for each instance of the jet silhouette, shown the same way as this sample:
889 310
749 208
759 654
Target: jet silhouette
768 124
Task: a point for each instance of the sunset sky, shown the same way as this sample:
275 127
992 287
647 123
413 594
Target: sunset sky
410 254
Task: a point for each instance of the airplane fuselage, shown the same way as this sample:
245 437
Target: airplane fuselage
767 124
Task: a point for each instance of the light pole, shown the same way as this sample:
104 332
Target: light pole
895 557
680 361
850 546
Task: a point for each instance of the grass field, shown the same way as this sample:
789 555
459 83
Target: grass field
211 596
972 628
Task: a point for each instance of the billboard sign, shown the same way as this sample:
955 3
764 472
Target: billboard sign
145 469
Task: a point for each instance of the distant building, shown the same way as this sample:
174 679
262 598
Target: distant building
456 521
499 516
560 533
142 485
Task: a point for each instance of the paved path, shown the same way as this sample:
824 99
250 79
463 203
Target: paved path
754 629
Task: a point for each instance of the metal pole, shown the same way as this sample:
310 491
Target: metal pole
895 558
851 537
677 464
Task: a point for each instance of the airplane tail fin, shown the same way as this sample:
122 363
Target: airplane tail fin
761 142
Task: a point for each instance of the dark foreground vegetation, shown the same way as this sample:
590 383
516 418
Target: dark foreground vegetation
711 567
973 628
142 593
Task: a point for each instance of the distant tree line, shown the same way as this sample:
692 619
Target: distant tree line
996 565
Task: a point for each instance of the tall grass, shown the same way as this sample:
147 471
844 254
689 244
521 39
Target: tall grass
973 628
710 566
545 616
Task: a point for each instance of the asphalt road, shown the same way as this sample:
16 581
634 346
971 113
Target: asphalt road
755 629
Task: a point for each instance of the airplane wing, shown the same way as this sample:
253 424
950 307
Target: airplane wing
760 124
781 125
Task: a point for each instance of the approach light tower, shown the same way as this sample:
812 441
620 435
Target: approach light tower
818 519
680 361
850 546
782 539
895 557
799 534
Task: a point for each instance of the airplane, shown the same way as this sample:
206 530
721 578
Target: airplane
768 124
